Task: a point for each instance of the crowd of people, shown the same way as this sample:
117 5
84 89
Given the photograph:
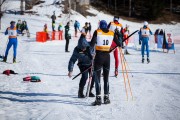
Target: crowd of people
105 38
95 54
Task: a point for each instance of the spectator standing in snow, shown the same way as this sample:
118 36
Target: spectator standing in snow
53 26
85 29
24 28
144 34
89 29
125 35
12 32
53 17
67 36
18 26
60 27
76 27
45 28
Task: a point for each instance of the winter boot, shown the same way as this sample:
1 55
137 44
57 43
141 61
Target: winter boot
106 99
98 101
80 93
142 60
4 59
14 60
116 72
148 60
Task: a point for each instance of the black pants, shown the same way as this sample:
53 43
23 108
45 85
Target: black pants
102 60
67 44
84 77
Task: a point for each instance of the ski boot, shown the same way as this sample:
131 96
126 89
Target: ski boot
4 59
142 60
116 72
14 60
98 101
106 99
148 60
80 93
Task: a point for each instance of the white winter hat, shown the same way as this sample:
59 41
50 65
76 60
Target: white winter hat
145 23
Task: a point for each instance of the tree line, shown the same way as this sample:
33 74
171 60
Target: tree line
145 9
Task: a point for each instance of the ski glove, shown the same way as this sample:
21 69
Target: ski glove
70 74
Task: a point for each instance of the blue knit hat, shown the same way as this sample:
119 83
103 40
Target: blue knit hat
103 24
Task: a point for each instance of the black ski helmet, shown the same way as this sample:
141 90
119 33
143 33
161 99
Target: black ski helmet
12 22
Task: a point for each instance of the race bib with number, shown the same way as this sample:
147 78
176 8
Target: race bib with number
104 40
145 32
12 32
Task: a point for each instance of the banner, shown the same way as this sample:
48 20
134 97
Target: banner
160 41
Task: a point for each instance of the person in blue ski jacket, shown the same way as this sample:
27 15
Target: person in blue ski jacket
144 34
76 27
12 32
84 54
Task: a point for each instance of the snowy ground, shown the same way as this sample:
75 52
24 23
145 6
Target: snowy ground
155 86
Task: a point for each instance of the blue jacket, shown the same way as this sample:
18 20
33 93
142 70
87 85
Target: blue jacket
76 24
84 57
6 32
144 38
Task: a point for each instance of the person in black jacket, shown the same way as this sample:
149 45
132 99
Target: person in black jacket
83 53
67 37
102 40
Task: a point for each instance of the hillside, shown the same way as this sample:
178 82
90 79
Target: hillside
155 86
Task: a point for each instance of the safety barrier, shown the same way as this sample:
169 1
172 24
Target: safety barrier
41 36
44 36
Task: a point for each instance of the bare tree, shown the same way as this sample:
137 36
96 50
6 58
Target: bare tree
129 8
171 6
22 7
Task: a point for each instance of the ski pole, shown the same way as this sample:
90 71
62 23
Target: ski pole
90 77
81 72
127 65
124 75
124 40
127 75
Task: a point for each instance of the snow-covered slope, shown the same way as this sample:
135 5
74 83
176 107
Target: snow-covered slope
155 86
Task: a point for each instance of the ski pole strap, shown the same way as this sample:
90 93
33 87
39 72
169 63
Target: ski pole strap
124 40
81 72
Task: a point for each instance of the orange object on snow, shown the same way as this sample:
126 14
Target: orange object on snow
41 36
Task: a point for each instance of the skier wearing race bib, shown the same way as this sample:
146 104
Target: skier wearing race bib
126 33
112 26
144 34
12 32
102 40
